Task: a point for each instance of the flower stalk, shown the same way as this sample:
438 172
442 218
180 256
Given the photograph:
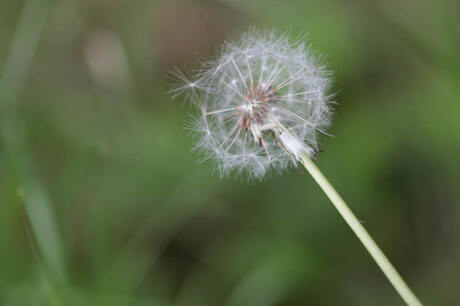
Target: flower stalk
382 261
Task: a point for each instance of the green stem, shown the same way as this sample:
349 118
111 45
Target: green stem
380 258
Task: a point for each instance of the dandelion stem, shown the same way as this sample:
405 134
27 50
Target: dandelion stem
380 258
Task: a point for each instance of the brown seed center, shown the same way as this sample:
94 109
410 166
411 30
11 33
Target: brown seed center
260 99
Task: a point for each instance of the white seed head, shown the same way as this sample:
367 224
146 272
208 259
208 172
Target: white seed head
260 104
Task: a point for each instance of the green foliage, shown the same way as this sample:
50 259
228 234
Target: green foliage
102 202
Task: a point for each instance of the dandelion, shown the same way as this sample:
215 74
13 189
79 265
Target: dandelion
261 106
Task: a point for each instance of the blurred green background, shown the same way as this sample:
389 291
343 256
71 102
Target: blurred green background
102 202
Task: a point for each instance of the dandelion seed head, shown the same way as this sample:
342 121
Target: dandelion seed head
261 104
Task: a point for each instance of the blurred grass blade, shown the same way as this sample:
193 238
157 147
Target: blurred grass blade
23 49
16 70
44 227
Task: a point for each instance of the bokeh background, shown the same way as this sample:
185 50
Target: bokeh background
102 202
